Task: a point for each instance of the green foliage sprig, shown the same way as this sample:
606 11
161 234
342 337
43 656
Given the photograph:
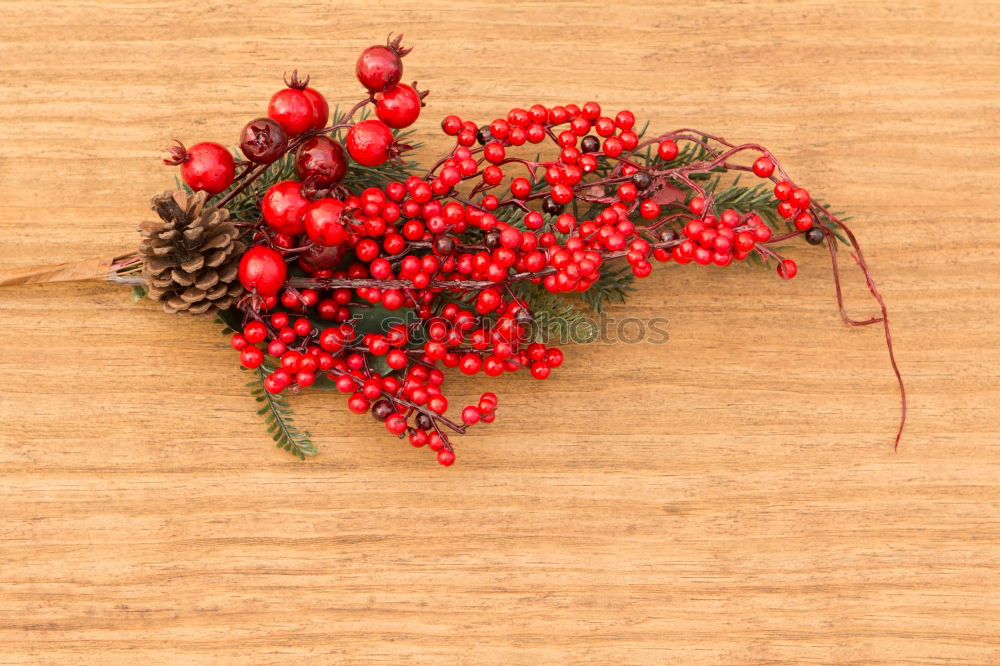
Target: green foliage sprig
279 419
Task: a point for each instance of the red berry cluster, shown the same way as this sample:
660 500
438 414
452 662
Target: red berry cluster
448 246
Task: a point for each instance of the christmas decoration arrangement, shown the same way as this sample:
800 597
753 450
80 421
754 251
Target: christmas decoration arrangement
334 263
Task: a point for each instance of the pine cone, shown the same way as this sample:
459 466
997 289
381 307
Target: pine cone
191 256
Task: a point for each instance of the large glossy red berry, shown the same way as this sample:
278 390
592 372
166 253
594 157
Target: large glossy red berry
320 161
319 258
369 142
320 108
379 67
323 224
262 269
283 207
205 166
398 106
263 140
292 109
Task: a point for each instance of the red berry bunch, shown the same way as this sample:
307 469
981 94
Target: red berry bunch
447 248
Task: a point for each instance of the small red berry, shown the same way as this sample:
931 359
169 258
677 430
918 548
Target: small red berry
438 404
554 358
787 269
763 167
470 364
358 403
613 146
783 190
540 370
255 332
800 198
446 457
520 188
302 327
396 424
625 120
667 150
495 153
251 357
471 415
451 125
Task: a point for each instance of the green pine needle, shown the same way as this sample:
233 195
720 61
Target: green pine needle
613 286
278 419
557 320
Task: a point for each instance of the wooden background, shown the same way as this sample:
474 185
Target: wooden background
729 497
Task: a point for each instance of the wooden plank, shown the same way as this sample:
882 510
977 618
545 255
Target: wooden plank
728 497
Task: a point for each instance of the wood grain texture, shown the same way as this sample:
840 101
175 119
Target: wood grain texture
729 497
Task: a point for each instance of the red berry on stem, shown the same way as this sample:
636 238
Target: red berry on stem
438 404
763 167
399 105
320 258
787 269
263 141
667 150
322 221
471 415
370 143
204 166
238 341
396 424
451 125
255 332
520 188
262 269
379 67
446 457
283 207
783 190
292 109
799 198
540 370
320 162
625 120
358 403
251 357
320 108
